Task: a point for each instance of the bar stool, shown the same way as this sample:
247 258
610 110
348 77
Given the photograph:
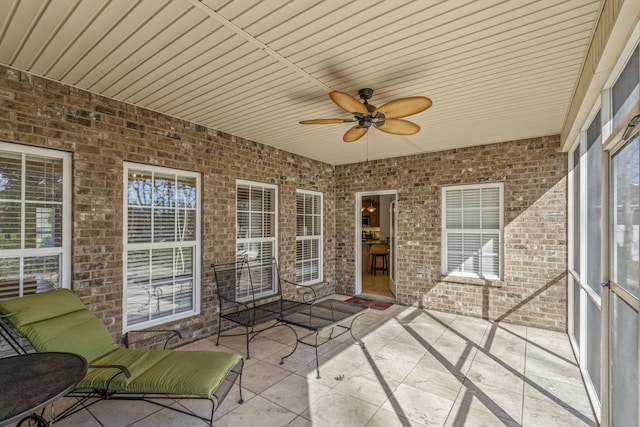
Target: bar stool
379 253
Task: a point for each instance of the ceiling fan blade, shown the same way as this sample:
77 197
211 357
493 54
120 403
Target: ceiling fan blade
404 107
354 134
348 102
325 121
398 127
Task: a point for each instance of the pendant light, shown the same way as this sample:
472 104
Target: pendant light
371 208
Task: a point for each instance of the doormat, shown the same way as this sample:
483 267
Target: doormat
376 305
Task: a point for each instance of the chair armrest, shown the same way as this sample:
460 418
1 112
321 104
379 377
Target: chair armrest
122 369
231 301
309 294
233 304
237 308
172 334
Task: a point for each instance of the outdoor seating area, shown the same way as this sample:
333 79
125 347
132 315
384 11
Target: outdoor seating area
241 299
418 367
58 322
305 213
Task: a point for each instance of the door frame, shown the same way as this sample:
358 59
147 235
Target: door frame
358 233
393 238
610 288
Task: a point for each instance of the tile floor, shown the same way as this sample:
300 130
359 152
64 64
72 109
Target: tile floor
376 285
418 368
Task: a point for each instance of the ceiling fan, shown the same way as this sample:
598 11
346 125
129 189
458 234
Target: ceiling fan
387 118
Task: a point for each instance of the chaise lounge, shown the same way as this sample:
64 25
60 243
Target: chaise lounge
58 321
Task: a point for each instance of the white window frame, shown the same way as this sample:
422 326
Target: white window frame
579 334
195 245
273 239
578 273
499 231
318 198
63 251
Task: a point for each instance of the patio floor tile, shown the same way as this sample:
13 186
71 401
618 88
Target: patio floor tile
418 368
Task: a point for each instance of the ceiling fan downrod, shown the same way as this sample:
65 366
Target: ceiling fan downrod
365 95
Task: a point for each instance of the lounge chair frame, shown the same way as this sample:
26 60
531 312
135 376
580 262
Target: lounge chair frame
85 398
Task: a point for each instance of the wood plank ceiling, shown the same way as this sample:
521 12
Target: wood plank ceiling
495 70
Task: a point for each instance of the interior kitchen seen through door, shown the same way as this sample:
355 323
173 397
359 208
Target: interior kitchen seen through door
378 244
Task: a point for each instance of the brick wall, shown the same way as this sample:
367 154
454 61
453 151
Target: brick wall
533 290
103 133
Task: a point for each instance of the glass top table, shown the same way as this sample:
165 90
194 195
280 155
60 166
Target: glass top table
329 313
30 382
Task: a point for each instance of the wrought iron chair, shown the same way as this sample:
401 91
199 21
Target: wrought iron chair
242 303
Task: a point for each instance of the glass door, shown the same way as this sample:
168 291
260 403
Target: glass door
392 247
624 275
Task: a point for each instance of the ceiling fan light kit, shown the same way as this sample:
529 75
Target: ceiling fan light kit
387 118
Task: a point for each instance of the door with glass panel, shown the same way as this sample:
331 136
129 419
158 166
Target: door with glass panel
392 247
624 274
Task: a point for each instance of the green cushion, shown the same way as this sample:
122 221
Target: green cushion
43 306
197 373
58 321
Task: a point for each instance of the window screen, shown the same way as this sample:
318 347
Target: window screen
625 93
161 244
472 230
256 232
308 237
35 217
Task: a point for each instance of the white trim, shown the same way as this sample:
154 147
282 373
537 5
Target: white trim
358 230
621 44
194 244
571 208
273 239
624 56
610 137
500 230
319 238
256 184
585 292
626 27
64 251
614 289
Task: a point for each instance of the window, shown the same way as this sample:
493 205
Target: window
625 216
308 237
256 233
162 245
35 220
574 175
593 208
625 93
472 230
585 239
